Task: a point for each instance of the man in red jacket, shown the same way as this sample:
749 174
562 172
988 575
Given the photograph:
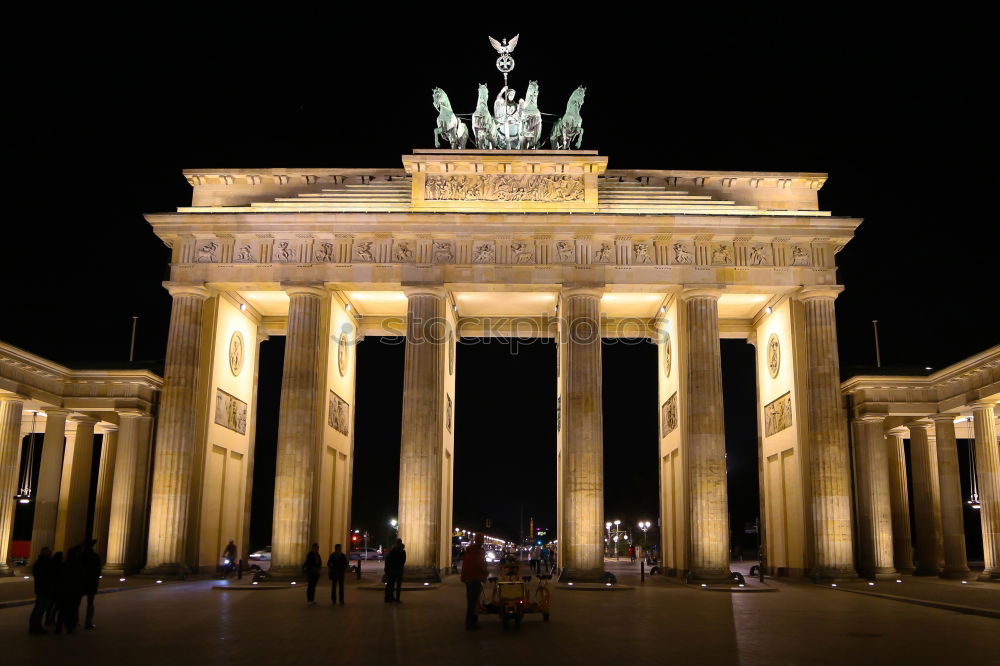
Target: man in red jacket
474 573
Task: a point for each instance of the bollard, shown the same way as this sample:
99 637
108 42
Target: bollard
239 570
359 569
642 571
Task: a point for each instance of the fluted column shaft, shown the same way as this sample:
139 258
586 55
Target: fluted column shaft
11 407
926 502
828 458
127 492
176 438
582 543
105 481
422 441
43 529
74 495
902 542
950 485
874 508
300 422
988 477
706 438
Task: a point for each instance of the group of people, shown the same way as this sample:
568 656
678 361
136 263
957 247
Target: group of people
540 559
61 582
336 564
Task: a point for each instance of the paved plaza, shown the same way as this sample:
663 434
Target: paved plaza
657 622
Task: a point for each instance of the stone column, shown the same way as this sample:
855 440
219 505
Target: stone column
105 479
11 408
950 484
582 544
43 530
988 476
926 503
874 510
128 493
422 445
705 434
899 500
300 422
74 491
177 436
829 469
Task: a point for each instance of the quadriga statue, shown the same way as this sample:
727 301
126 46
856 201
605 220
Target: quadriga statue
449 126
484 127
570 126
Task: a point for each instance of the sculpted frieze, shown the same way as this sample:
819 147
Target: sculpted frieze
208 252
682 253
283 252
640 253
484 252
363 251
444 252
244 254
522 253
778 415
503 187
759 255
340 413
800 255
604 254
324 252
403 251
668 416
565 251
722 254
230 412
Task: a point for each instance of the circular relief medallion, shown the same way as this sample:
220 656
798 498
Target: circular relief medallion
773 355
236 352
667 354
342 354
451 352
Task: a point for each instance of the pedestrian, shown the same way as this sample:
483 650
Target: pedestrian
70 583
91 567
337 566
395 561
229 559
42 572
311 568
631 553
474 573
55 566
534 555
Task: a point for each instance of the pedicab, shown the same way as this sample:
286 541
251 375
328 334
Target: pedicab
510 598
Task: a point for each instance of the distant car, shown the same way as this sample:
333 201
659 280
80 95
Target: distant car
491 557
366 554
260 559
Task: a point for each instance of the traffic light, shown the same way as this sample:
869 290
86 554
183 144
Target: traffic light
354 537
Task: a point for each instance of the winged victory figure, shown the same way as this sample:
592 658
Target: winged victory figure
506 47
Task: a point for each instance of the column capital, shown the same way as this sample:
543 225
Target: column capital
187 289
105 427
84 420
922 425
943 417
870 418
571 290
12 397
983 405
436 290
131 413
898 431
813 292
54 411
308 288
711 291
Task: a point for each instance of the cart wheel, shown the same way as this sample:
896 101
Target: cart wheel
545 616
517 621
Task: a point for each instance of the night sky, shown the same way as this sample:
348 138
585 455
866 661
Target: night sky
110 105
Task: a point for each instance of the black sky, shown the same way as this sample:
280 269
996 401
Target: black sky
110 104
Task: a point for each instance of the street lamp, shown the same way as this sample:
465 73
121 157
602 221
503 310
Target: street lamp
618 531
607 540
644 525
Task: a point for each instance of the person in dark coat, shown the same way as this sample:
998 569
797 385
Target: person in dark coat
42 572
91 577
337 564
55 566
311 568
70 592
474 573
395 561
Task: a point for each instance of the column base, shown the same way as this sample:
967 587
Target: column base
421 575
288 573
5 570
989 577
172 570
709 576
956 574
931 571
834 575
583 575
884 575
906 570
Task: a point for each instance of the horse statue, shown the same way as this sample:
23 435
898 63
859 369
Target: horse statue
484 128
570 126
449 126
531 120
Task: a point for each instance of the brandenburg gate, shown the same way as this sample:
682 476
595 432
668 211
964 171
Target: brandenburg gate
499 242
